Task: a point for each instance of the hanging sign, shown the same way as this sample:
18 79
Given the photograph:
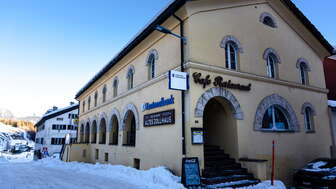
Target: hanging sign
162 102
190 172
159 118
178 80
219 82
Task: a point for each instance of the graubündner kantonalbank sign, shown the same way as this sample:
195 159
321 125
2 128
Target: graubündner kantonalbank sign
161 103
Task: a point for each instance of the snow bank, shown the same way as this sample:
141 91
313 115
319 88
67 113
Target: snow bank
17 158
155 178
267 185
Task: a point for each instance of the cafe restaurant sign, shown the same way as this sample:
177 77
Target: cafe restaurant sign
219 82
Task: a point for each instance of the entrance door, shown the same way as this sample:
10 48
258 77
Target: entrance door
220 127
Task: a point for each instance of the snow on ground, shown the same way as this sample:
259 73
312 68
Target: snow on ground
18 171
267 185
53 173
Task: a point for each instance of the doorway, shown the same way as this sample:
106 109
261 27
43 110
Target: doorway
220 126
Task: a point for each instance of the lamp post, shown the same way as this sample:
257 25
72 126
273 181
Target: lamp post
167 31
183 42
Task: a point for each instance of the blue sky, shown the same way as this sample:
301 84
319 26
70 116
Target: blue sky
50 48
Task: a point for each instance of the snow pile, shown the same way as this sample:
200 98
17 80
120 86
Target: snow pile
317 167
332 103
156 178
17 158
267 185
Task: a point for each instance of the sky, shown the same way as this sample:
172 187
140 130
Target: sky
49 49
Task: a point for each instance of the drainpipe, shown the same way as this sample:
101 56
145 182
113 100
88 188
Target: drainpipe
182 42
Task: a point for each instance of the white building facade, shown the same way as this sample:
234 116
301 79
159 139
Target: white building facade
53 127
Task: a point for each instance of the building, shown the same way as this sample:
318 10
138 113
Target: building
329 70
54 125
256 75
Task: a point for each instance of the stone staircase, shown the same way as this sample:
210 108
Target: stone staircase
221 171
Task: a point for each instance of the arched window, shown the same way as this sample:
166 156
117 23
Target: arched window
89 102
104 93
272 60
308 113
268 19
130 75
129 133
114 132
274 113
304 68
95 98
102 131
83 108
232 49
275 119
308 119
271 66
231 55
87 133
115 87
94 132
151 66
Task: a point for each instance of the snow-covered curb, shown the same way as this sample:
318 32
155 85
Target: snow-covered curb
156 178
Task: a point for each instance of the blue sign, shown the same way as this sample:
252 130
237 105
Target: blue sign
161 103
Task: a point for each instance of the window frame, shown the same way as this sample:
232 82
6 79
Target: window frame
231 45
151 66
269 17
274 128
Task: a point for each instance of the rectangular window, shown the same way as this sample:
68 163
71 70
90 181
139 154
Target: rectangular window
106 157
59 119
97 154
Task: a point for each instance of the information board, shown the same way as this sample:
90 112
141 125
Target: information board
178 80
159 118
190 172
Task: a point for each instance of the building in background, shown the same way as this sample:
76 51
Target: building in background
52 128
256 75
330 74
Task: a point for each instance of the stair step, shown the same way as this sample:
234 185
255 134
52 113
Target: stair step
217 156
234 184
222 165
210 173
215 159
229 178
211 147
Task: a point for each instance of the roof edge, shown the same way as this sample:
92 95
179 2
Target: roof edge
159 19
306 22
173 7
52 115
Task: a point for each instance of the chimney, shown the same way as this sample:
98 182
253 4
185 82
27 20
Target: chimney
72 103
54 108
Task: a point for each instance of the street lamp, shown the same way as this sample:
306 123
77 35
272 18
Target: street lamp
167 31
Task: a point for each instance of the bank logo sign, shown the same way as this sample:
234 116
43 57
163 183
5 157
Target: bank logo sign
178 80
161 103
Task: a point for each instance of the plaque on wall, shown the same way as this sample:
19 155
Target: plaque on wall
159 118
190 172
197 136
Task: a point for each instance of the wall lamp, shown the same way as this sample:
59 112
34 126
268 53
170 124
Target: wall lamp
167 31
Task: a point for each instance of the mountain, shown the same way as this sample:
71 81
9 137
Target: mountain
6 114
